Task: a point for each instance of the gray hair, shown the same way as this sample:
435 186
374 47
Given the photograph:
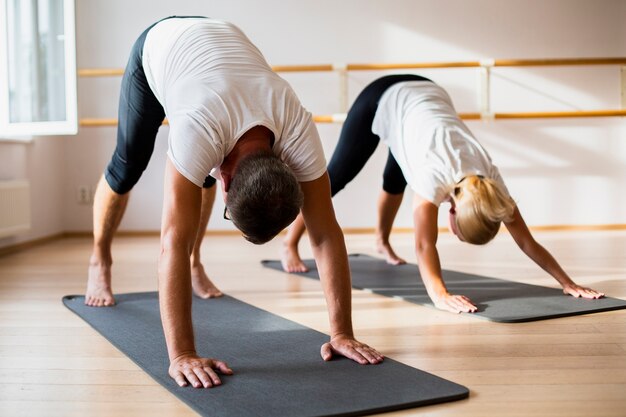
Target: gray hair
264 197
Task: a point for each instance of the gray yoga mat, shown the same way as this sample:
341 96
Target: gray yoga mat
277 364
497 300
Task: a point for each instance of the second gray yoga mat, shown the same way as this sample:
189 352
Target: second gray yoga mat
497 300
277 364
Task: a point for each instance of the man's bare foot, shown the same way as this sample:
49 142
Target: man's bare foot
99 293
202 285
291 261
390 256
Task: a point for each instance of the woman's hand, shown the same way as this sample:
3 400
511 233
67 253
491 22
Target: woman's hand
578 291
455 303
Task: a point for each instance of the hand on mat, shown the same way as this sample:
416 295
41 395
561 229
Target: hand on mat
584 292
455 304
351 349
197 371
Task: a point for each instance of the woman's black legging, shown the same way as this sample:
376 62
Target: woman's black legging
357 142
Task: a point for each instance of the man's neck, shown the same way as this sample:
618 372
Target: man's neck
257 139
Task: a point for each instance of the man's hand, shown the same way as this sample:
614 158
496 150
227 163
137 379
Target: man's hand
199 372
584 292
455 304
352 349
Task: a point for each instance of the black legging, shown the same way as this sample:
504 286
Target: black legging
140 116
357 142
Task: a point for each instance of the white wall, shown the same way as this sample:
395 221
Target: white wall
42 163
560 171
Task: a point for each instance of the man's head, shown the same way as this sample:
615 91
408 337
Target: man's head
264 196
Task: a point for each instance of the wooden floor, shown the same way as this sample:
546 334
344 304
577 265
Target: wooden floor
53 364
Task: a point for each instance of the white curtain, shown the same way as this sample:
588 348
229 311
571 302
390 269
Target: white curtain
36 65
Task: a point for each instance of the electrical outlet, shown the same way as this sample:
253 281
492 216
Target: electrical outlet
83 195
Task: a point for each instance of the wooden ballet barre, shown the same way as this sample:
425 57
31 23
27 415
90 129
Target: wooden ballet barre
93 122
495 63
557 62
114 72
108 72
100 72
323 119
561 114
412 65
90 122
303 68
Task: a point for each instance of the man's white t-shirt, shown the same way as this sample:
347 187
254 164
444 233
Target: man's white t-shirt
214 86
431 144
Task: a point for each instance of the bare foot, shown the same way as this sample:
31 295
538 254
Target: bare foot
390 256
99 293
202 285
291 261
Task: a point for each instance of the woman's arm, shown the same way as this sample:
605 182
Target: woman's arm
426 231
518 229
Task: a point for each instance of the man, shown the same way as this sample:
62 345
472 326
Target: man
140 116
230 115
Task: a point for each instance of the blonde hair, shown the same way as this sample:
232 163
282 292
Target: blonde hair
481 204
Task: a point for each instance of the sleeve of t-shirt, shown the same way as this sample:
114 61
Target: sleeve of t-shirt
429 186
495 175
302 151
191 152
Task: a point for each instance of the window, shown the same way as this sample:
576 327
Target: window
37 68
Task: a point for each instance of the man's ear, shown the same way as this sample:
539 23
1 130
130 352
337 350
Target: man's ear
225 181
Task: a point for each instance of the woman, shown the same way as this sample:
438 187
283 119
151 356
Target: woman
431 149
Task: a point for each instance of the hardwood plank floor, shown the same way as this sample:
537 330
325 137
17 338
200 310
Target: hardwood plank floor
53 364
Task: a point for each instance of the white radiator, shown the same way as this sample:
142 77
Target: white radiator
14 207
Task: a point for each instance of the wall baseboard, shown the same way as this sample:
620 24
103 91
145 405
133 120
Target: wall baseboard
348 231
19 247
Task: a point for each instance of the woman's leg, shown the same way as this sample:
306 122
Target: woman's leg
389 202
356 145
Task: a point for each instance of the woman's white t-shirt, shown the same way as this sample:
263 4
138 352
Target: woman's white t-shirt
431 144
215 85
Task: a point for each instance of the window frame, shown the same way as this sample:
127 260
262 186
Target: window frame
23 131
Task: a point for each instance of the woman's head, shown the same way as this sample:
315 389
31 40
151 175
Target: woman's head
479 206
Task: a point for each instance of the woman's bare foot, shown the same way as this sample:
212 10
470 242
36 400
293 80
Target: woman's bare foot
291 261
99 293
390 256
202 286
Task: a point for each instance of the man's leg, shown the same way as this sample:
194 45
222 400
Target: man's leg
202 285
139 117
108 209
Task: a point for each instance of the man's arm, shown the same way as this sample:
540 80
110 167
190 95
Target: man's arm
522 236
331 258
179 228
426 232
